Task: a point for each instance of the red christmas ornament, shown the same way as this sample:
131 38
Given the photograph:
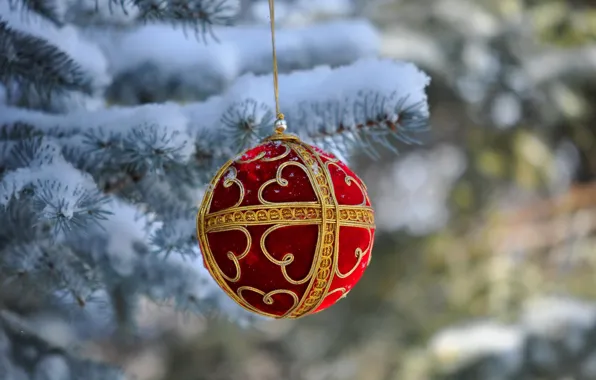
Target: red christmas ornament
286 229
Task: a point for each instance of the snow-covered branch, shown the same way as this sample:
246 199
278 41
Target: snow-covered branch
39 59
148 145
51 10
203 14
31 62
364 103
98 202
357 105
174 66
199 15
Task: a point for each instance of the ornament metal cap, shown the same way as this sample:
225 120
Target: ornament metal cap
280 131
280 126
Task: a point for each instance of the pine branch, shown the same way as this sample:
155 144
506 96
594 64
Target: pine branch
207 12
49 9
362 105
46 270
382 100
144 72
126 253
117 251
198 15
34 64
378 129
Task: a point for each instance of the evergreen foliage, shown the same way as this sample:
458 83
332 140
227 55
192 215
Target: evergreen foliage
101 172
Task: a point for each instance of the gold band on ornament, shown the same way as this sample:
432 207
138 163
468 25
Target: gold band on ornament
328 233
325 213
294 213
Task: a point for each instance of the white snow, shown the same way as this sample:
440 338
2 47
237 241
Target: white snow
165 119
71 179
398 81
68 39
302 12
124 228
230 174
240 49
345 85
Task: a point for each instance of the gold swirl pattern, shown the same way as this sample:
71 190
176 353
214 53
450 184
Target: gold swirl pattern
326 156
359 256
267 298
280 180
261 156
286 260
255 158
350 180
277 158
343 292
359 253
236 259
231 179
325 212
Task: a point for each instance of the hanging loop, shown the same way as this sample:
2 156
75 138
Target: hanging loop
280 123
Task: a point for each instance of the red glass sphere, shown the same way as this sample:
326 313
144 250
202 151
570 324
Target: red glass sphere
286 229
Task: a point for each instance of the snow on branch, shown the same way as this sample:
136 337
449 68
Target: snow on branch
49 9
125 133
62 196
363 104
31 62
38 56
75 267
200 14
181 68
160 155
144 154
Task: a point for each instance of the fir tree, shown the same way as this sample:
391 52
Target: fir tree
114 115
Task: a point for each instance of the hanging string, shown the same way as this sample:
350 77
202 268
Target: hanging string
280 116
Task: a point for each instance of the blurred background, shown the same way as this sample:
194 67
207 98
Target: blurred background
484 263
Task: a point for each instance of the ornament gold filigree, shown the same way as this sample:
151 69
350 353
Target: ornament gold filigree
325 213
